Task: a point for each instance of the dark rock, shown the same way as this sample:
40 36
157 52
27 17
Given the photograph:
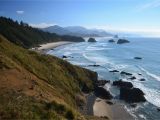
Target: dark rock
91 40
109 102
111 41
102 82
125 73
132 95
133 105
113 71
64 56
137 58
139 74
94 65
142 79
121 83
133 78
158 109
102 93
122 41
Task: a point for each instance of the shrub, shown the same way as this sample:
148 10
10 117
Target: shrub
69 115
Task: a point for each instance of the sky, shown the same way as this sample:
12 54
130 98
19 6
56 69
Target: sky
136 16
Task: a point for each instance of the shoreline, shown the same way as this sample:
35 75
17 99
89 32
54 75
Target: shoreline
44 48
95 106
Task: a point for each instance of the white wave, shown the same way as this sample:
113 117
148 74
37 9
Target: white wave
77 63
122 66
104 60
152 95
107 87
97 48
96 59
130 111
150 74
142 116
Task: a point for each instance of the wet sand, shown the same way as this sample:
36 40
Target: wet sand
113 112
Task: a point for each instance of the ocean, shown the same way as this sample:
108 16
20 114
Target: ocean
111 56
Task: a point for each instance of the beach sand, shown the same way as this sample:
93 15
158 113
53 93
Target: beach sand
53 45
102 109
45 47
113 112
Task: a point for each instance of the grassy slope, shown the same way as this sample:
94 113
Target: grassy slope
39 86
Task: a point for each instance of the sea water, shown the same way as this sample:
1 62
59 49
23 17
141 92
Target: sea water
111 56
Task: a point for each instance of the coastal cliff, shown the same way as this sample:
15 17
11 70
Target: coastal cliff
40 86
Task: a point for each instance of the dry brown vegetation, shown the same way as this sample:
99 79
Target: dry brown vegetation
36 86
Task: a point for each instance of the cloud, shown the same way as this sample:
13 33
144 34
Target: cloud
153 4
41 25
20 12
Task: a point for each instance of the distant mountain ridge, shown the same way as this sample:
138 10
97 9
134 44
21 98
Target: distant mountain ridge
24 35
77 31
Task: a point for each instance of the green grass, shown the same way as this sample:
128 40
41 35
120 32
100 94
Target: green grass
19 106
66 80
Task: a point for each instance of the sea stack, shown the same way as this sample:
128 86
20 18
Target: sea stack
132 95
138 58
122 41
111 41
92 40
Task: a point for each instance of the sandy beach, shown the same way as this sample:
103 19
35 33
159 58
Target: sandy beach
45 47
113 112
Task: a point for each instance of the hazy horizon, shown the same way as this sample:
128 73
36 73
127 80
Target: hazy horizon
128 16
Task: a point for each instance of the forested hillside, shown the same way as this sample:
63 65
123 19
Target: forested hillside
24 35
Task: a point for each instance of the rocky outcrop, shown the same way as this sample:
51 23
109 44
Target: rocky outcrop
102 93
132 95
102 82
133 105
125 73
113 71
91 40
133 78
64 56
122 41
142 79
94 65
121 83
137 58
111 41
